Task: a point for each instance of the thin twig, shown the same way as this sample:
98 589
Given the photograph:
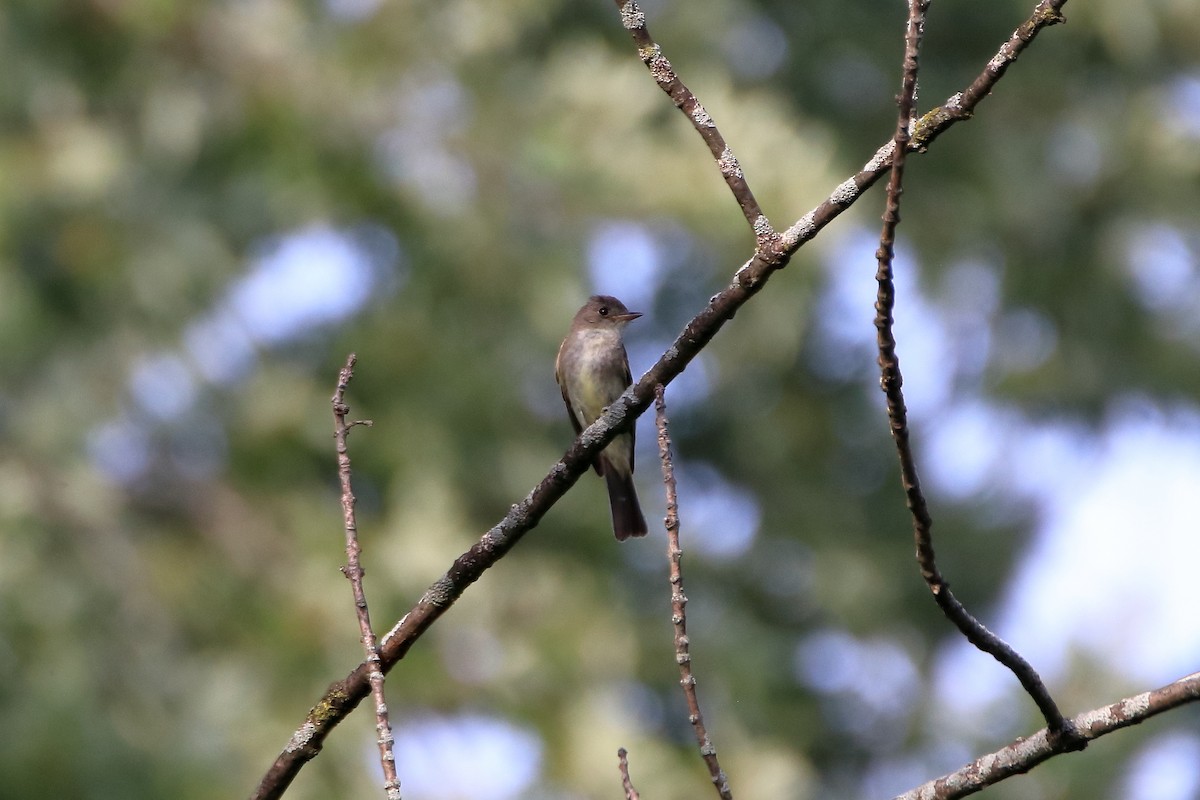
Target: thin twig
930 126
1024 754
626 783
343 696
634 20
683 656
1048 12
891 381
354 571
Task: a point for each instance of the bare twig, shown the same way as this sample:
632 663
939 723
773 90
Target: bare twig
634 20
683 656
626 783
344 695
961 106
924 131
354 571
891 381
1025 754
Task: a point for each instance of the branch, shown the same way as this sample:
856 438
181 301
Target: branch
1048 12
354 572
634 20
892 381
683 656
343 696
1025 754
929 127
626 783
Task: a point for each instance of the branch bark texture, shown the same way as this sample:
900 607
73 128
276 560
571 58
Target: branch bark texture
1023 755
683 652
634 20
354 573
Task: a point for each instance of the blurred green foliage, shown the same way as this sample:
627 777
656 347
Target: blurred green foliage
163 631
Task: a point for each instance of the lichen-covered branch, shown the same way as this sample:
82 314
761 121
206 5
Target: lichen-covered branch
1023 755
634 20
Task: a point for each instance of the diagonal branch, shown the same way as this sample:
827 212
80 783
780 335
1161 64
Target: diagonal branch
1023 755
960 106
929 127
634 20
343 696
892 381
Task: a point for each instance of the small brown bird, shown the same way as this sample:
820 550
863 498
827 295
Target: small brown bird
592 370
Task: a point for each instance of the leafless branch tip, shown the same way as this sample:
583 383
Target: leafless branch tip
683 656
354 571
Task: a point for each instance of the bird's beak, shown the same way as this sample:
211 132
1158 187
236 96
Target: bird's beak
630 317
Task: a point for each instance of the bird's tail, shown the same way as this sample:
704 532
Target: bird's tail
627 516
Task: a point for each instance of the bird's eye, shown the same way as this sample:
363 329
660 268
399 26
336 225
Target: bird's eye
604 311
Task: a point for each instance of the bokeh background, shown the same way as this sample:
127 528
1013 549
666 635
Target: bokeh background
205 206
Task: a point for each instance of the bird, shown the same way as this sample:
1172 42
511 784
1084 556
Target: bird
592 370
